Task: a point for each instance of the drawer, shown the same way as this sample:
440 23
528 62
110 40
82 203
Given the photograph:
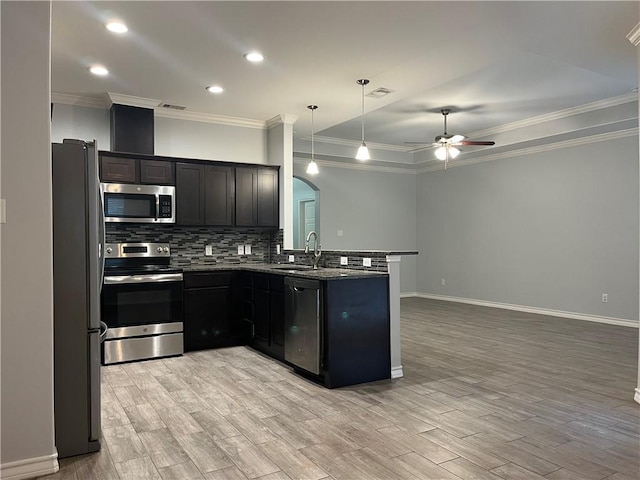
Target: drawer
207 279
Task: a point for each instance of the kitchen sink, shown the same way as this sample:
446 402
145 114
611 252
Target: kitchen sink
293 267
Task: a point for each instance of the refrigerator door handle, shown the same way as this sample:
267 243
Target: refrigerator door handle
103 238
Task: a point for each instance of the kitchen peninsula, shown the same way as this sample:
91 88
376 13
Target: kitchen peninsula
329 324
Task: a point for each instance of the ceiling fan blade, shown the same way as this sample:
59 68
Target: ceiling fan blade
471 142
456 139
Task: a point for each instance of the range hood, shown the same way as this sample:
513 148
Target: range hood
132 129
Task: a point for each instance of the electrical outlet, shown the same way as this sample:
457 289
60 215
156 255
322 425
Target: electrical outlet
366 262
278 249
292 258
247 249
208 250
442 282
344 260
340 233
605 298
240 249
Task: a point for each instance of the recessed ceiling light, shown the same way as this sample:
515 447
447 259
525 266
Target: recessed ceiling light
215 89
117 26
98 70
254 57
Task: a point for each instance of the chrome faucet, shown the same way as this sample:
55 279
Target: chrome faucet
316 248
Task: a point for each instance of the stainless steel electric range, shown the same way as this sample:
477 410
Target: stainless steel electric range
141 303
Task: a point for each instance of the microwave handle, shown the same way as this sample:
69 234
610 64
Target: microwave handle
157 206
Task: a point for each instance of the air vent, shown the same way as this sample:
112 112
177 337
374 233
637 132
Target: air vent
380 92
172 107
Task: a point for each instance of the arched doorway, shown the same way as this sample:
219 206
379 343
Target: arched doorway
306 210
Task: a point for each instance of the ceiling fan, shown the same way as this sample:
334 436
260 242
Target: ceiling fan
447 143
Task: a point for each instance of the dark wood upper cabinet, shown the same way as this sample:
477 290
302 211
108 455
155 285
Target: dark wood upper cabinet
204 194
119 170
190 198
268 206
246 197
219 195
157 172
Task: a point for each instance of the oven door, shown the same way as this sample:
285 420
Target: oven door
144 317
130 301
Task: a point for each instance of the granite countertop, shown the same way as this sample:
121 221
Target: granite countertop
289 270
361 252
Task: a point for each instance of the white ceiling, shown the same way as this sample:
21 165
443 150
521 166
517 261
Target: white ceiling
493 63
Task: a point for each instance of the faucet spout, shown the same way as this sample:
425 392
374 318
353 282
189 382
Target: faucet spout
316 248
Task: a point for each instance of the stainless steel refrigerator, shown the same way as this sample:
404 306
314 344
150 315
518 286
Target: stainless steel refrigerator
78 237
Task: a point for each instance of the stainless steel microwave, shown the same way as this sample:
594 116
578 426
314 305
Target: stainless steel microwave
139 203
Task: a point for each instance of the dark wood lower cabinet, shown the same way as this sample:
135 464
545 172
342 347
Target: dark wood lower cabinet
209 319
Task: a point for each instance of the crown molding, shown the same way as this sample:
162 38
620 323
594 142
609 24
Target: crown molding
557 115
132 101
634 35
355 166
281 119
77 100
356 143
83 101
209 118
601 137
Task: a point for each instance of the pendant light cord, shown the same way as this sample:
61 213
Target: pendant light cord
312 129
362 112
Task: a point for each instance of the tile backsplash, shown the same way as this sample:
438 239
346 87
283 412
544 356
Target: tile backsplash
188 243
188 246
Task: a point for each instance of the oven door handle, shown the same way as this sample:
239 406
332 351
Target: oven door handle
160 277
157 206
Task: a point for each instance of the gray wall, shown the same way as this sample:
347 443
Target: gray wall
26 238
375 211
173 137
552 230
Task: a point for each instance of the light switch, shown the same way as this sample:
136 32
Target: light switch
3 210
344 260
278 249
247 249
240 249
366 262
340 233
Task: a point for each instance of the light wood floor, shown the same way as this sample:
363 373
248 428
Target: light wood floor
487 393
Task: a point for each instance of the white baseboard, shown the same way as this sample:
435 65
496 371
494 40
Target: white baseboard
541 311
30 467
396 372
408 294
636 397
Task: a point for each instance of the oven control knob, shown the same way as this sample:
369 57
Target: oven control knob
159 249
166 249
109 250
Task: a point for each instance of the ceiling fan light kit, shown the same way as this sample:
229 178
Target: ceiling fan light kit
312 168
447 143
363 151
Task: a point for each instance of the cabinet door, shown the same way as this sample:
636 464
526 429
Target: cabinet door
268 210
119 170
246 197
219 195
277 324
207 317
189 194
261 317
156 172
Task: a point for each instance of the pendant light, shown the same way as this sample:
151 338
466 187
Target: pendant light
363 151
312 168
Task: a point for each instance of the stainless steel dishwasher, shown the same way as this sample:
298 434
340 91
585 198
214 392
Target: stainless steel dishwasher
303 334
